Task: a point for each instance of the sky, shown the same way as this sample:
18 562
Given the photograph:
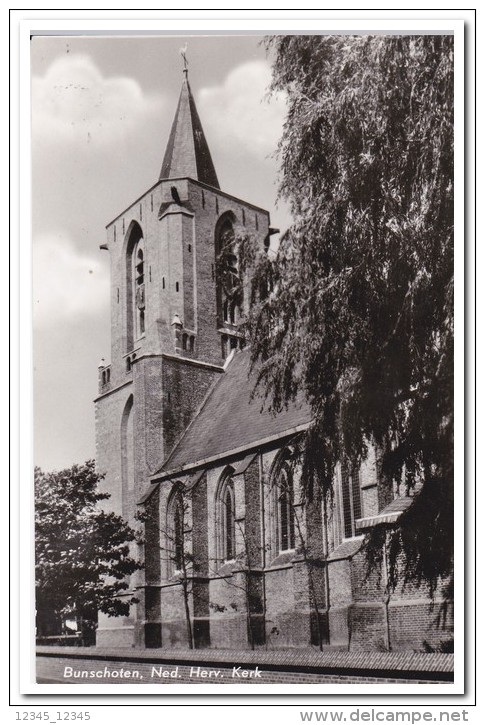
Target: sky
102 108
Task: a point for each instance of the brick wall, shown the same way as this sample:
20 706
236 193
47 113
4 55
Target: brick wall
282 620
252 514
148 430
108 415
288 598
228 608
367 627
367 584
184 387
153 551
412 621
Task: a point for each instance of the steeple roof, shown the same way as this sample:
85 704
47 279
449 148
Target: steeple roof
187 152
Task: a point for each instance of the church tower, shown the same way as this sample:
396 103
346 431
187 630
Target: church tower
175 306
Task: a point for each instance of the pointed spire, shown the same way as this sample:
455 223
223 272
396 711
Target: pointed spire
187 152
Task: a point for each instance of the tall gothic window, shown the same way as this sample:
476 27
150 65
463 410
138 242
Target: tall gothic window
226 518
135 285
284 490
229 290
175 530
127 454
286 510
139 289
351 499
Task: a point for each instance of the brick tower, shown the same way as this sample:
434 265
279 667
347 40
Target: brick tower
174 320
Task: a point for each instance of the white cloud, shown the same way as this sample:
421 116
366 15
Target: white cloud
238 112
67 285
73 100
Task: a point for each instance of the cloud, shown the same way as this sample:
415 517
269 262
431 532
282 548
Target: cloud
67 284
238 113
73 100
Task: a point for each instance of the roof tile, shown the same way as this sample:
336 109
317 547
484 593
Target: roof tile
232 418
187 153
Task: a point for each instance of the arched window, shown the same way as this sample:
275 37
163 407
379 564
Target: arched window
135 285
351 499
229 288
229 521
175 530
282 480
140 288
226 518
178 531
127 454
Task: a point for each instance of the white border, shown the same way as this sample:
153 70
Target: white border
224 21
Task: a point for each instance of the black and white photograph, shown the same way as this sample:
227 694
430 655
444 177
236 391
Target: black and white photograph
243 295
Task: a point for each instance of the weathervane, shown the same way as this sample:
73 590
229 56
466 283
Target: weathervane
183 51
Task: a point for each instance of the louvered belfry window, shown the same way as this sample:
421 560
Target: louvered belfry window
139 283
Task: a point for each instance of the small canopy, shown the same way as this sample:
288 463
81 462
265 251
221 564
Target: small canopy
389 515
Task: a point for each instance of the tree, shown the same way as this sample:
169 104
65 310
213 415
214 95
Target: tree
356 307
82 553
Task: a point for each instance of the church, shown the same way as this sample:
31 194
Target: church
233 555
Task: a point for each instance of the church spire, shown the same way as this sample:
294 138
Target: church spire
187 152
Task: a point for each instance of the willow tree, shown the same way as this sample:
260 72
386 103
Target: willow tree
356 307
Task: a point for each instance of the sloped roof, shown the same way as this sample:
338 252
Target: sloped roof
346 550
231 420
389 515
187 153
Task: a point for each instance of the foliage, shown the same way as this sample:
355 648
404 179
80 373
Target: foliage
448 646
82 552
356 307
